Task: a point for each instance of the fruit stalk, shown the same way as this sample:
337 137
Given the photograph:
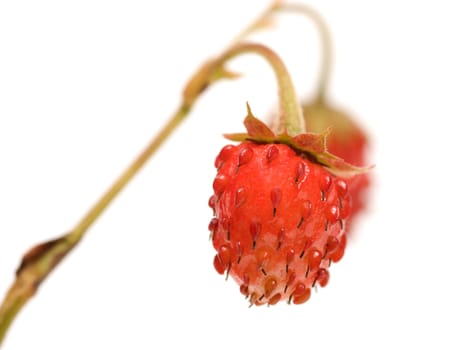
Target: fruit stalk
325 39
42 259
264 21
291 119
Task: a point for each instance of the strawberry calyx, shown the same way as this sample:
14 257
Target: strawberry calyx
312 145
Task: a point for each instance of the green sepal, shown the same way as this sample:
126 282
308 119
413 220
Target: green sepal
311 144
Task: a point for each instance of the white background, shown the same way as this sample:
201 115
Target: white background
84 85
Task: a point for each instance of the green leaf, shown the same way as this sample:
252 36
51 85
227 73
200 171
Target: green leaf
311 144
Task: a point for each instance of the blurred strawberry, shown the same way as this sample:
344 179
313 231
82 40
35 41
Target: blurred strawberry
346 140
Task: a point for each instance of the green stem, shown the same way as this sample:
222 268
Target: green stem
8 318
80 229
291 119
42 259
326 41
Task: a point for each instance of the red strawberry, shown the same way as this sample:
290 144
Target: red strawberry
346 140
280 213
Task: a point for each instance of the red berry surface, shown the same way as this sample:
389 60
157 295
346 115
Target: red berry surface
279 221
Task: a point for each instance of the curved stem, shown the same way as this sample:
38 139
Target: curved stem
291 120
326 64
43 258
326 41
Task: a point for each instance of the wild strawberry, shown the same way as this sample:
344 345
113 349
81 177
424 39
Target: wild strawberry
346 140
280 210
